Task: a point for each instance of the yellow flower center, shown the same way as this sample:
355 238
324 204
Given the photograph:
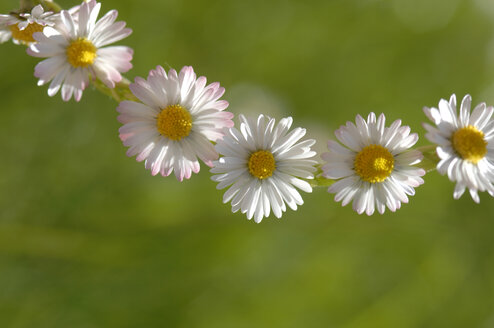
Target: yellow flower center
174 122
469 143
26 35
81 53
374 163
262 164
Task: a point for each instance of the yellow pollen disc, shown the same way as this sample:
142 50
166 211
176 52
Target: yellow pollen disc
469 143
374 163
26 35
174 122
262 164
81 53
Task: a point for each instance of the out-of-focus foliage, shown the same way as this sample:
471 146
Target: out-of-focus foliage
88 238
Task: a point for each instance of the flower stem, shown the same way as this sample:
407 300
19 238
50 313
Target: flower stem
119 93
49 5
430 160
27 5
319 180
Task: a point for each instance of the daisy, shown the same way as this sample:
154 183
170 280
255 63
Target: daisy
374 165
263 164
21 28
174 125
75 51
465 145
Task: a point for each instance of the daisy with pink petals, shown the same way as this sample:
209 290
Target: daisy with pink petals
374 165
76 50
174 125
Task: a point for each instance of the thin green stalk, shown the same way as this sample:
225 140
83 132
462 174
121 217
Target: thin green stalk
430 160
27 5
49 5
319 180
119 93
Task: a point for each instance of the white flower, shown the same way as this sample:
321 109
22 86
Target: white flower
263 163
465 145
21 28
74 51
174 125
375 167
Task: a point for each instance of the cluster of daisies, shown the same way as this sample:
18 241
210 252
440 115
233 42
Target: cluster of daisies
175 120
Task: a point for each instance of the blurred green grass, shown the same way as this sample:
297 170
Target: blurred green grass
89 239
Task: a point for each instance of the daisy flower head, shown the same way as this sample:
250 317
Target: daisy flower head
21 28
263 163
174 125
373 164
465 144
75 50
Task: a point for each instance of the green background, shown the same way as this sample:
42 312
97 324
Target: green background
88 238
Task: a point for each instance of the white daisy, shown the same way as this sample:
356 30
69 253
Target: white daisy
465 145
174 125
74 51
21 28
263 163
375 166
